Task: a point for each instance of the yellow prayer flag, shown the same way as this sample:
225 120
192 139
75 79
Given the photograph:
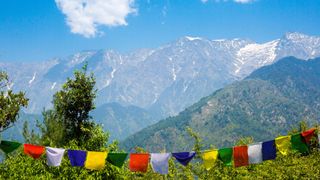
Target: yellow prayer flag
209 157
95 160
283 144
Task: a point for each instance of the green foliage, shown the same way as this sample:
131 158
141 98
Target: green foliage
292 166
52 129
10 103
72 106
29 136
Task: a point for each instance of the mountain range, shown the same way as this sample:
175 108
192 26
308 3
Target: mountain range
160 82
269 102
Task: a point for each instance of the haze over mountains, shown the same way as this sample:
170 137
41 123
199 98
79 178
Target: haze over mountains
270 101
159 82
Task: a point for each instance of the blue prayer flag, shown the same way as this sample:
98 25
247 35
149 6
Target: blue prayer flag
184 157
77 157
269 150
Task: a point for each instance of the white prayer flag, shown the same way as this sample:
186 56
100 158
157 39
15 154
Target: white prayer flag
54 156
255 153
159 162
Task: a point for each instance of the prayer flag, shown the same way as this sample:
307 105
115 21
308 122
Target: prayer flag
307 135
77 157
209 158
283 144
240 156
95 160
33 150
225 155
297 143
139 162
184 157
54 156
269 150
255 153
117 159
9 146
159 162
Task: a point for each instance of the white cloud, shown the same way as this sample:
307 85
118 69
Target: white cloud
84 16
204 1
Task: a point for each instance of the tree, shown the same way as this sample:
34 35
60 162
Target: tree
10 103
73 104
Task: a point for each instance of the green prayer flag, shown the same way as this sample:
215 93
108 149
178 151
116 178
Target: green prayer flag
9 146
298 144
225 155
117 159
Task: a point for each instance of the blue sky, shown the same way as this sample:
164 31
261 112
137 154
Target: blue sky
37 30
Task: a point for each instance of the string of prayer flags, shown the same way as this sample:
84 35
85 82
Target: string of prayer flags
9 146
283 144
184 157
139 162
209 158
77 157
95 160
298 144
117 159
54 156
159 162
225 155
255 153
33 151
269 151
237 155
240 156
307 135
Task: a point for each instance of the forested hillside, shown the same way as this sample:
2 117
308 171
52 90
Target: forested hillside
267 103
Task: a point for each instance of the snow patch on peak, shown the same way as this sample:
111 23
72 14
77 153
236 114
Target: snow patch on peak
254 47
255 55
112 73
53 85
219 40
79 58
33 78
173 70
295 36
190 38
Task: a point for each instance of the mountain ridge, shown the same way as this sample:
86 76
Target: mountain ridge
266 103
163 80
183 59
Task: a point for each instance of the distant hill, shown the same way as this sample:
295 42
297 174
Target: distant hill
15 133
265 104
121 121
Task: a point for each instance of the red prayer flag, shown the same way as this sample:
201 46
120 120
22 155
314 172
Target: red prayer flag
139 162
240 156
307 135
33 150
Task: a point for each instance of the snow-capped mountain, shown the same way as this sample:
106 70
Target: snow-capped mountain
164 80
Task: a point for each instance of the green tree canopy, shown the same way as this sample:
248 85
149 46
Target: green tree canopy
10 103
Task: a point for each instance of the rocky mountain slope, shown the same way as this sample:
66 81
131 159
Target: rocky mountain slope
268 102
161 81
166 79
